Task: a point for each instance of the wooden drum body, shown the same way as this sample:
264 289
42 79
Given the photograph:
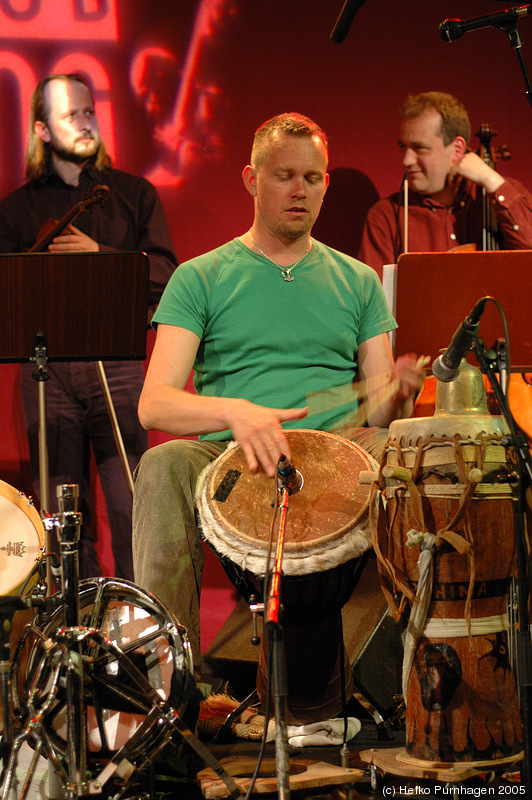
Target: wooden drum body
327 530
444 537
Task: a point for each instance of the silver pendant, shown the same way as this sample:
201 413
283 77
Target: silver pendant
287 274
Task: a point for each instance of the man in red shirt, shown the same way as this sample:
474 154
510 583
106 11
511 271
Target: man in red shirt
446 188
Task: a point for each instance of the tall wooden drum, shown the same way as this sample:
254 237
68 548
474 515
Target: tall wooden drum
444 537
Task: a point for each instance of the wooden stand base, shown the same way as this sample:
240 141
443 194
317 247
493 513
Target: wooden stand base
396 761
303 775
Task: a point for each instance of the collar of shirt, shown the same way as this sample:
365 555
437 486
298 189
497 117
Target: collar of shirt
465 192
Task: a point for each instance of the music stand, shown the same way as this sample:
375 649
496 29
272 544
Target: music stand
431 293
71 307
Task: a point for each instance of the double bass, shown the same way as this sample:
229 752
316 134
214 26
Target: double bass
491 238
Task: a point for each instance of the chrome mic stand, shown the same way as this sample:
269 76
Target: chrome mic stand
68 525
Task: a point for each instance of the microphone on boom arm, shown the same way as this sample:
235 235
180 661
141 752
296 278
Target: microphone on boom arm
452 29
343 23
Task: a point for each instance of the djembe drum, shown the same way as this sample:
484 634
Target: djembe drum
444 538
327 530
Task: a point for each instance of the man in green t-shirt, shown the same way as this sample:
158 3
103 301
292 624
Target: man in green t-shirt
265 321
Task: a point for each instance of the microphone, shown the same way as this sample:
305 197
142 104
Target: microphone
447 366
452 29
343 23
289 478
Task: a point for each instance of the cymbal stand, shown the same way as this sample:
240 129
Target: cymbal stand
68 527
273 628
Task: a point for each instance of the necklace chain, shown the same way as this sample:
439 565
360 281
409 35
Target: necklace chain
286 272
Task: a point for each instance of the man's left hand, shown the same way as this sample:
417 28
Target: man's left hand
472 167
73 240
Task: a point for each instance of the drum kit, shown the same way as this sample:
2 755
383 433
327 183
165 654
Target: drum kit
102 680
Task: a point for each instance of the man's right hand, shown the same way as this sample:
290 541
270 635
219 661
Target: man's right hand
258 431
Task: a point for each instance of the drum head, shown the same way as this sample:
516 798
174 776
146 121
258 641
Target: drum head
116 707
235 504
21 538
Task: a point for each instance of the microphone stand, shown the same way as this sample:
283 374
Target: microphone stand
512 32
487 360
272 622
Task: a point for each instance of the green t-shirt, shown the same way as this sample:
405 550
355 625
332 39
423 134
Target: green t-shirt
270 341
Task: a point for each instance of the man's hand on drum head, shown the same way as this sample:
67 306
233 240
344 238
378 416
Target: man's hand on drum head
258 431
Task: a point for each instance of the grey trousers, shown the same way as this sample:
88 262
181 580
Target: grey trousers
167 546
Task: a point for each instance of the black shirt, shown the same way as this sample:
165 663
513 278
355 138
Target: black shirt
131 218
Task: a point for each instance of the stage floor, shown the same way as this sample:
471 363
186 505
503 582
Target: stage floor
389 784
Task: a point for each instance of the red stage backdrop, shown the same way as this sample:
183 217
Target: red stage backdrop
181 85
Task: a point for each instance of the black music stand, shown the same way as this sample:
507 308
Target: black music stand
71 307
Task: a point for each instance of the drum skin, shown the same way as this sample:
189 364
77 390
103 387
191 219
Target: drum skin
21 541
327 537
462 703
21 538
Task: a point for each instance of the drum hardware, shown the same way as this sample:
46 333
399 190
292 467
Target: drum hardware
105 637
255 609
41 375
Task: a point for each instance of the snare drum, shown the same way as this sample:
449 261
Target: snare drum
327 530
21 542
21 538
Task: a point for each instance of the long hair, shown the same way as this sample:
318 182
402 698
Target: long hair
38 157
